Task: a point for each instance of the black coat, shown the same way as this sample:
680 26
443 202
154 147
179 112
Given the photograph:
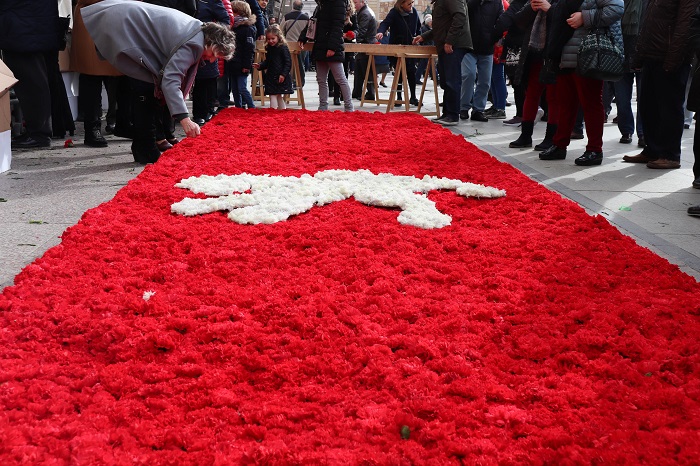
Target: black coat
330 19
693 103
245 48
483 15
278 61
403 27
29 26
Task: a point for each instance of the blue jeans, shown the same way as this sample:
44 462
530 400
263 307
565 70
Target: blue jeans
241 94
476 69
499 91
623 100
450 72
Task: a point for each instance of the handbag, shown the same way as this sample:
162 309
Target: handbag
311 29
599 57
512 57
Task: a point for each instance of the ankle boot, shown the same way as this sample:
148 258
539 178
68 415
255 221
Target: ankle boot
548 136
525 139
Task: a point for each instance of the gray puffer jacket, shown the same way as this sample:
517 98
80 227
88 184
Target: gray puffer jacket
596 14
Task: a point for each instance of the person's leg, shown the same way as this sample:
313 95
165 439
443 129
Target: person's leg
322 81
411 75
199 101
450 65
468 73
623 102
590 96
144 107
361 61
696 154
33 94
640 126
567 100
687 114
123 126
672 112
281 104
533 93
302 72
342 83
499 91
237 96
243 92
111 87
553 118
608 95
90 98
484 65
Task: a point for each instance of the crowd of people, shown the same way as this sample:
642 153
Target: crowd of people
151 55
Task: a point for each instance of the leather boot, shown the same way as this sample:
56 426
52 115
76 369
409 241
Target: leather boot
94 138
548 136
525 139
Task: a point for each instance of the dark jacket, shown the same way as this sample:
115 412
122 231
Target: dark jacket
245 46
403 26
330 19
278 61
29 26
483 15
693 103
664 33
366 26
506 22
211 11
450 25
186 6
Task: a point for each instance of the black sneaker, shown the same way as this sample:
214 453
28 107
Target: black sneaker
449 121
30 143
464 114
94 138
479 116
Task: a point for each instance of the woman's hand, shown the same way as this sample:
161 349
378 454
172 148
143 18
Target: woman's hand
379 36
256 66
330 53
280 79
191 128
575 20
448 48
417 40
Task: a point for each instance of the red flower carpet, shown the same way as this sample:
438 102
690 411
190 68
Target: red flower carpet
524 332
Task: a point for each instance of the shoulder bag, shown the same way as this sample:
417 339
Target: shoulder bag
599 57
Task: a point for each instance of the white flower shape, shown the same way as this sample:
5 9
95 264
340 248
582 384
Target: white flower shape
253 199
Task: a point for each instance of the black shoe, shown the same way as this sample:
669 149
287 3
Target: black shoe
626 139
419 82
369 96
208 117
553 153
94 138
464 115
479 116
109 129
124 132
336 100
30 143
521 143
199 121
544 145
589 158
413 101
694 210
145 154
398 104
696 183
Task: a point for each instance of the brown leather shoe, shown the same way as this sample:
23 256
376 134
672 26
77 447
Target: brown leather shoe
164 145
664 164
639 158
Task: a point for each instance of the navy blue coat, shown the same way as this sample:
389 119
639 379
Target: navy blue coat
29 25
211 11
403 28
245 48
278 61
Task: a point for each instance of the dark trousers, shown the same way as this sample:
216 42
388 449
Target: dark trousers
533 93
144 110
661 109
450 71
204 97
90 100
361 64
574 90
32 91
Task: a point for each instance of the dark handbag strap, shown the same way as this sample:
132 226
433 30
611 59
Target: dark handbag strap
286 29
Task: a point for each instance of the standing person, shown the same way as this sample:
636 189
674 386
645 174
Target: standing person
423 62
239 67
452 40
499 90
160 49
404 24
277 65
27 31
366 34
664 57
293 25
93 73
204 90
329 51
574 90
477 64
262 4
348 37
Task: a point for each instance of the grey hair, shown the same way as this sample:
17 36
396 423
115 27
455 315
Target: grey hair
221 38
